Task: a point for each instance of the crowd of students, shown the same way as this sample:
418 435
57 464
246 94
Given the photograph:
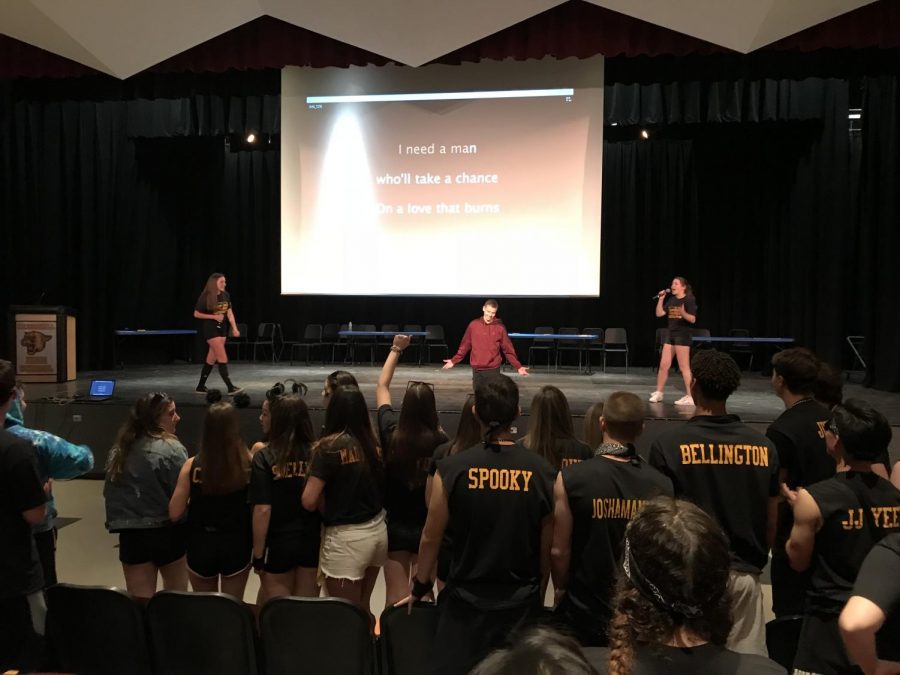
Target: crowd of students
655 563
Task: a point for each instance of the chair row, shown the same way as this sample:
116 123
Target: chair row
98 630
318 337
608 341
93 629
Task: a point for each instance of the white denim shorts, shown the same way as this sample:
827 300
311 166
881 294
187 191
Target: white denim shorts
348 550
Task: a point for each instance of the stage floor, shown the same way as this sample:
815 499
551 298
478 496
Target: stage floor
753 401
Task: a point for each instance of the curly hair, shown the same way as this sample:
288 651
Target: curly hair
716 374
677 581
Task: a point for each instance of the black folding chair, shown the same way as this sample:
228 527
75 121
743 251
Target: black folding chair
615 342
415 342
542 345
96 629
312 339
265 337
435 340
741 348
315 635
407 638
594 345
568 346
201 634
238 343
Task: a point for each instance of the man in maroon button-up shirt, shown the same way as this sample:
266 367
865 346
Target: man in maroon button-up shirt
486 337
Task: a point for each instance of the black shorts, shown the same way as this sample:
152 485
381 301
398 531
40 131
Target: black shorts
158 545
210 554
288 552
214 329
679 338
403 536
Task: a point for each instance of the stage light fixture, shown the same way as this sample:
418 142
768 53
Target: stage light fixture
645 134
251 137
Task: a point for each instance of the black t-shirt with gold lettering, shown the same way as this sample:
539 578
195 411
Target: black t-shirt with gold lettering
673 307
879 582
498 497
604 494
858 509
404 489
225 513
282 488
211 328
352 491
799 438
730 471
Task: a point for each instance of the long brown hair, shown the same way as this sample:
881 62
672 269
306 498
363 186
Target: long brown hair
143 420
676 566
551 420
290 429
416 436
210 293
593 435
468 432
224 458
347 422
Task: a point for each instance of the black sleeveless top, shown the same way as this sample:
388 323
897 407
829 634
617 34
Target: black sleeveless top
604 495
858 509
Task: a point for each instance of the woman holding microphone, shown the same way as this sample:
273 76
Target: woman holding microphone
680 306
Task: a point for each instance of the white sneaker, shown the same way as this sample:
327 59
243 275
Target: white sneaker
685 400
656 397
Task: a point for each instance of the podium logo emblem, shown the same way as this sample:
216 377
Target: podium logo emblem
35 342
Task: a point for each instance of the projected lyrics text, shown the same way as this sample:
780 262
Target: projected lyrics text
450 180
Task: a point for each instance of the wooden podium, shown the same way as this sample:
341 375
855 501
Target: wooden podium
43 341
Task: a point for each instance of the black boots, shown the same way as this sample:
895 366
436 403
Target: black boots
201 386
223 371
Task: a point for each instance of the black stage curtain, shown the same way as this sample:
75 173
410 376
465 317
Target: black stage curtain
878 241
121 203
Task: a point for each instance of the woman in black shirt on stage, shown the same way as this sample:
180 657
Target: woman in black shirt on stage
680 306
285 535
214 309
212 488
409 438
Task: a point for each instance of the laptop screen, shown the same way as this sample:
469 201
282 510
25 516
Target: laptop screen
102 388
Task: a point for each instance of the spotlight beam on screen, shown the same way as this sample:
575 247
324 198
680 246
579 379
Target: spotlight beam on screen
472 180
440 96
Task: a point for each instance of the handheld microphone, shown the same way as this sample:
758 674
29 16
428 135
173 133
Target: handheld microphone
656 297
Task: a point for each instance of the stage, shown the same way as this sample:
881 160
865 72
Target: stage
62 408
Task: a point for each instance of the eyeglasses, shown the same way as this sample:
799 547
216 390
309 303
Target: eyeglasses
831 426
416 383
